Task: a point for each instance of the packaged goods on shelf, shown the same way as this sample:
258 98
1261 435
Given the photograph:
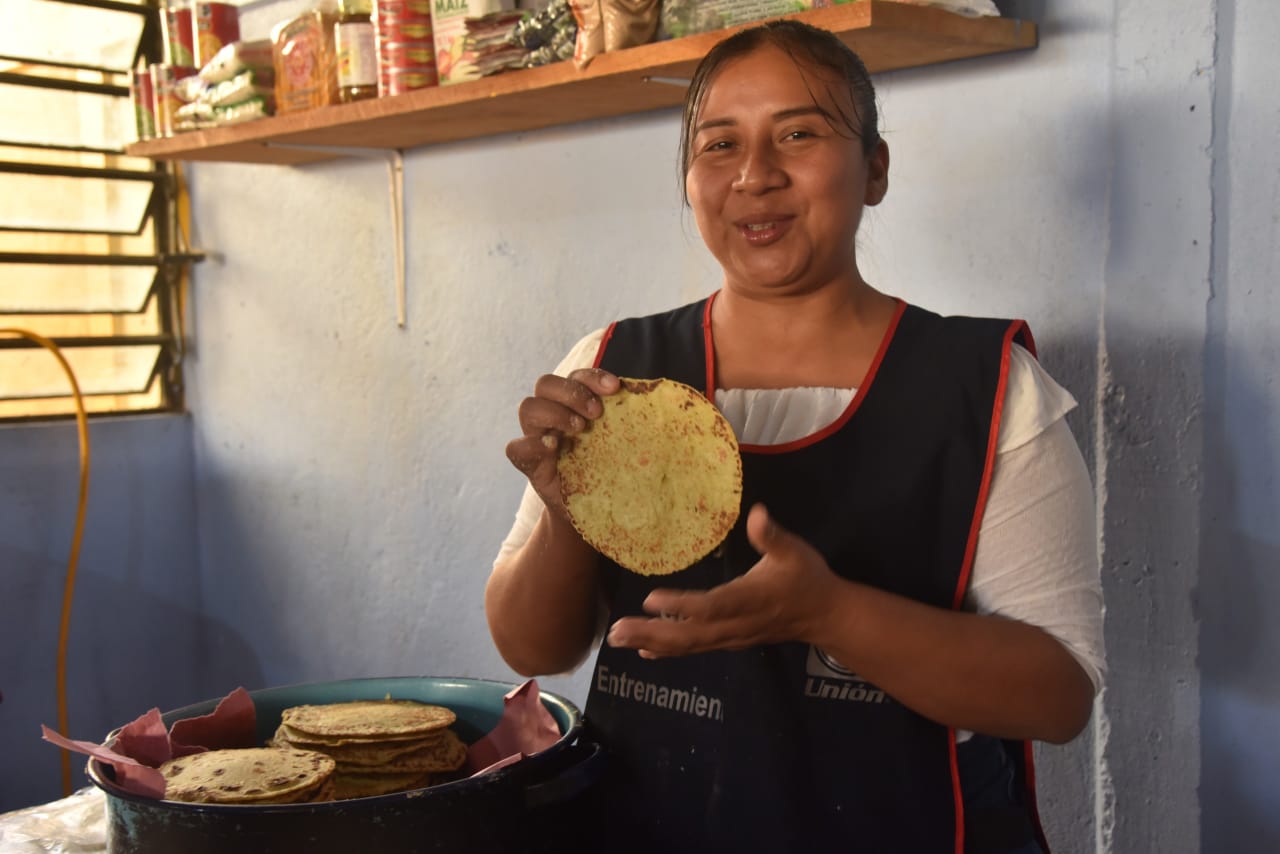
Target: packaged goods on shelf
165 93
178 35
305 63
356 47
216 25
238 83
490 44
406 47
449 27
628 23
686 17
144 104
547 35
202 114
590 38
238 57
968 8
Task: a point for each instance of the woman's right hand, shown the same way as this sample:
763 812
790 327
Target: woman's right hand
560 408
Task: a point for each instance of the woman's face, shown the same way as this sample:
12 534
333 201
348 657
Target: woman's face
777 189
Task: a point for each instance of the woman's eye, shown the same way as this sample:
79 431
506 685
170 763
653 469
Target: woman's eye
798 134
718 145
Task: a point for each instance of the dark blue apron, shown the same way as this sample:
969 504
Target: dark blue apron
780 747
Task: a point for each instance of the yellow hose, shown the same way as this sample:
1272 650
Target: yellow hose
64 628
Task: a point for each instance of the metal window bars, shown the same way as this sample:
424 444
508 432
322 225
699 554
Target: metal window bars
61 262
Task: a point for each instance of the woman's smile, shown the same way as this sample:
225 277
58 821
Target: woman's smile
765 229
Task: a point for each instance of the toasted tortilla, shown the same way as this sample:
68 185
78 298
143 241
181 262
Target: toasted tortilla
372 720
439 751
255 775
655 483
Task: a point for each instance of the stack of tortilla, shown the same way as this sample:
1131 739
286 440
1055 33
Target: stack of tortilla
379 746
254 775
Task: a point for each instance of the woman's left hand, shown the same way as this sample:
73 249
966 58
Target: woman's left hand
784 597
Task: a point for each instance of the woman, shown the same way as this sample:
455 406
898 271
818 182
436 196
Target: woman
913 595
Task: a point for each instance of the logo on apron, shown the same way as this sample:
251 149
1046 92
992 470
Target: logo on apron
828 679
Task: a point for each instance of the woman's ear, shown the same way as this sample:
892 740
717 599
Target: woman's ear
877 174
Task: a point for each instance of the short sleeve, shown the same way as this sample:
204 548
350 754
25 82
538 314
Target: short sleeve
582 355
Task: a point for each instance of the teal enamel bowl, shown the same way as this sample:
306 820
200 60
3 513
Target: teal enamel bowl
534 805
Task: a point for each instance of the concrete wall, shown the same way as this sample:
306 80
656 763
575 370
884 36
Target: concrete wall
1117 187
1239 582
136 618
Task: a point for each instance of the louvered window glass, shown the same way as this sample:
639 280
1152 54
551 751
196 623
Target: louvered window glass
92 255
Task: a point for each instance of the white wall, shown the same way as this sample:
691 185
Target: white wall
1239 584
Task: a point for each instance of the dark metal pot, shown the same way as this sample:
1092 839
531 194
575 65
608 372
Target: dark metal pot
534 805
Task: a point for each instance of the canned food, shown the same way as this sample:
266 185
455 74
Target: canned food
178 36
144 103
165 101
404 9
216 25
407 54
397 81
404 31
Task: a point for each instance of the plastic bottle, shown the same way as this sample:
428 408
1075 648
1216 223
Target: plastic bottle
357 55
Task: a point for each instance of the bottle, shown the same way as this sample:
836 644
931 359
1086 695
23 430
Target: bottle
357 56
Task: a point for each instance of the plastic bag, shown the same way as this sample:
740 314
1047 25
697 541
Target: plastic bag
968 8
628 23
76 824
590 38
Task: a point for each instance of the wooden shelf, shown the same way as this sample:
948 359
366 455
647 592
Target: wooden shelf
887 35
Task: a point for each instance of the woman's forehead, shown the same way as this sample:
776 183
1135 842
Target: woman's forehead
770 77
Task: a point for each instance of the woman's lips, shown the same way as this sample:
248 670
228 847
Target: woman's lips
763 230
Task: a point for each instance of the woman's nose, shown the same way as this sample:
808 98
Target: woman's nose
759 170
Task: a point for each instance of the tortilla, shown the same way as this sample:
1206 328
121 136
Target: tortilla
378 746
368 719
655 483
441 751
359 785
254 775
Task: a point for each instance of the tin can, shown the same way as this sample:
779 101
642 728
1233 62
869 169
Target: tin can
216 25
405 30
179 36
414 54
164 79
402 10
144 103
397 81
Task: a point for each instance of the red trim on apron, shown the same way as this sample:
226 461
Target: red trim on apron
1028 760
604 342
861 393
957 794
997 410
709 350
1016 329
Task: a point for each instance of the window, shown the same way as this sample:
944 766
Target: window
92 253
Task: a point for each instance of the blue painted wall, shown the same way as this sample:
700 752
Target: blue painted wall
139 630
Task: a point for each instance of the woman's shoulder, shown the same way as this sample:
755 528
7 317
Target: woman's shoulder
1033 400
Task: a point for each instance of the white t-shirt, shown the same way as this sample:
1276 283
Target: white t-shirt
1036 559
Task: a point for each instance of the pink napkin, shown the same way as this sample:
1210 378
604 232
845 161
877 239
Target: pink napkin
143 744
526 727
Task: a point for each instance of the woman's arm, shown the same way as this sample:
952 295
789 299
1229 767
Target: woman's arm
542 599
